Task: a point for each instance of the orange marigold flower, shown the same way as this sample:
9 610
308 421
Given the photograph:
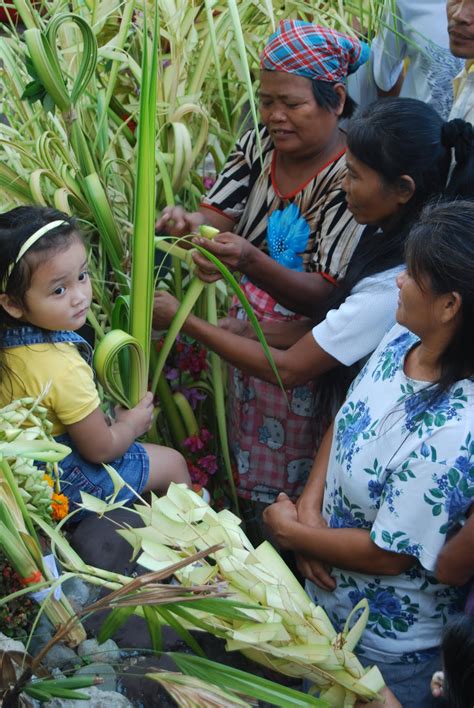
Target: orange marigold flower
59 506
47 478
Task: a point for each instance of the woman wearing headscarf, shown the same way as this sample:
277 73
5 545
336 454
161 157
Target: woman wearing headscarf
285 226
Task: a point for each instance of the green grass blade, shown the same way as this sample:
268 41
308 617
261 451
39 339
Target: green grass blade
249 684
154 627
113 622
192 293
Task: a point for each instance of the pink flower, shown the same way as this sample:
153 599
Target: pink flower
209 463
205 435
194 443
208 182
197 475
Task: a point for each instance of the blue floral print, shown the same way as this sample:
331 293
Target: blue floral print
354 424
423 416
389 359
287 236
402 467
346 515
454 490
389 614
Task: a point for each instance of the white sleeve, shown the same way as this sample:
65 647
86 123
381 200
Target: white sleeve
388 50
353 330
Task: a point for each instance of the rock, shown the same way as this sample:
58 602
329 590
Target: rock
7 644
108 652
61 657
143 691
96 540
98 699
77 592
105 671
44 631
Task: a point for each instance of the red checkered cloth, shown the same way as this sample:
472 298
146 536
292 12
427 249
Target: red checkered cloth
272 439
313 51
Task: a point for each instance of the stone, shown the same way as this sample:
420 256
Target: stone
8 644
77 592
60 657
98 699
143 691
107 652
44 631
105 671
96 540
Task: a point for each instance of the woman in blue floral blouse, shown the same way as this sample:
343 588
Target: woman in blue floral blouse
395 473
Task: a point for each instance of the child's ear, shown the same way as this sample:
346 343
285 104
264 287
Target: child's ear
10 306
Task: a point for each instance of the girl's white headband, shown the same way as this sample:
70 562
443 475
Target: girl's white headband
30 241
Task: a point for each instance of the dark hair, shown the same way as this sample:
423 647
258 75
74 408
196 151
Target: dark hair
458 659
404 136
16 226
440 253
326 97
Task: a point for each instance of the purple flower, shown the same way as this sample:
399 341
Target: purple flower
194 396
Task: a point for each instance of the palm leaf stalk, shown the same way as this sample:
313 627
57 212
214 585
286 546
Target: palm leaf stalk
219 398
143 242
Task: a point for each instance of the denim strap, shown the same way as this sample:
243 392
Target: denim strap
24 336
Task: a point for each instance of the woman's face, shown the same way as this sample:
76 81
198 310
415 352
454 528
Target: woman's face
297 125
418 306
369 198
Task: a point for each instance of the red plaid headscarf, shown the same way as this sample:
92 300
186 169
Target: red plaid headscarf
313 51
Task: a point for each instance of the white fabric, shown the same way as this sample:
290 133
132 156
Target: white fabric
422 37
463 106
356 327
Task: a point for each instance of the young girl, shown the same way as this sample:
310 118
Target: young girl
45 295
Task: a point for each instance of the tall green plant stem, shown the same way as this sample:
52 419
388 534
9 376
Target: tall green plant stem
219 397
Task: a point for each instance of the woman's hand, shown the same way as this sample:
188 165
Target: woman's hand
319 573
437 684
165 307
139 418
388 701
175 221
234 251
278 517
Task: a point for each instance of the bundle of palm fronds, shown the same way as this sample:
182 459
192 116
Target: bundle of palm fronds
282 628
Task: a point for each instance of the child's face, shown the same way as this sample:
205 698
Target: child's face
60 293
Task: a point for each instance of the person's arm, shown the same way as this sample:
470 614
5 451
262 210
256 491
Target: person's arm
280 334
395 90
310 503
99 442
309 507
296 365
455 563
301 292
346 548
388 52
